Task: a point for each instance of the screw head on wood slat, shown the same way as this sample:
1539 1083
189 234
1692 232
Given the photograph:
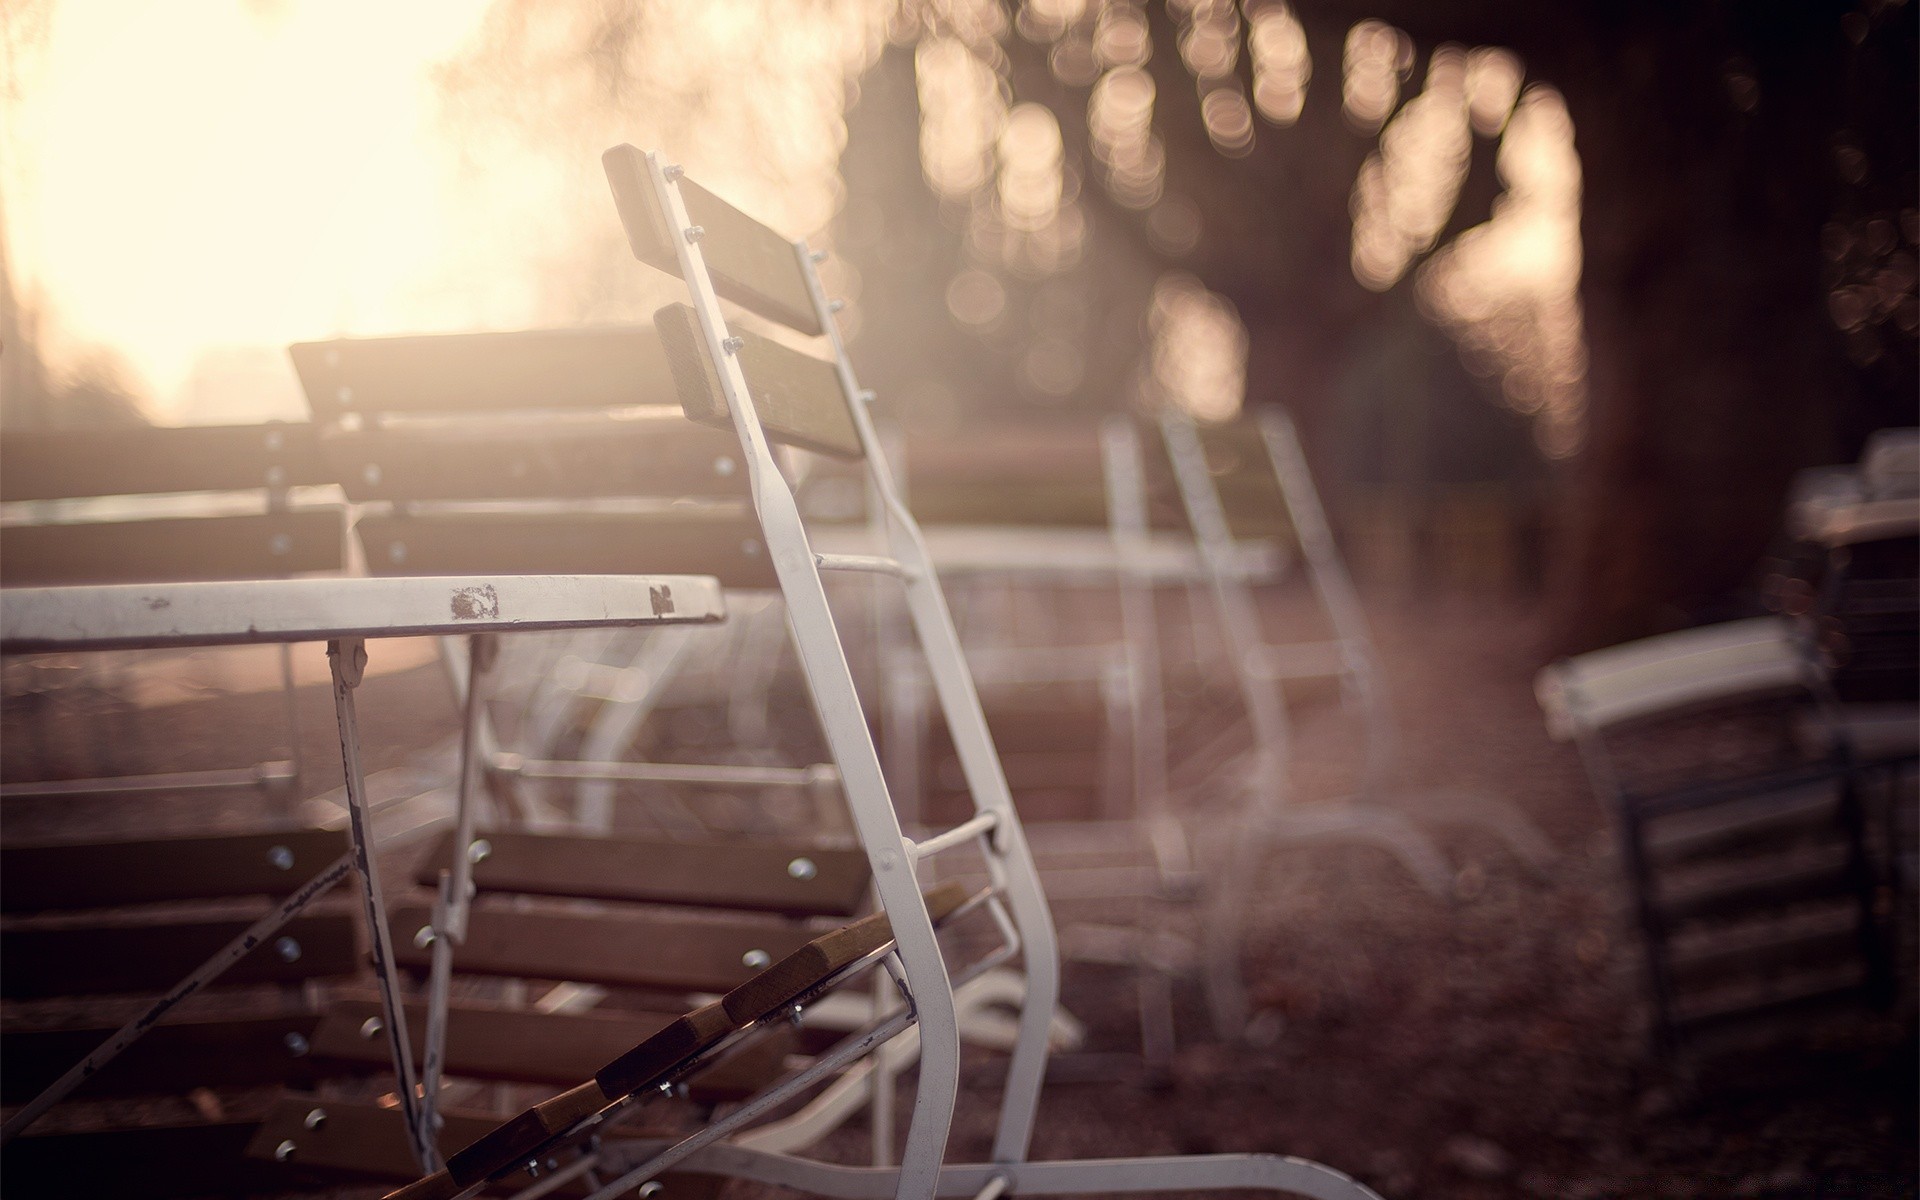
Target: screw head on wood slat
370 1028
423 937
288 949
479 851
694 234
281 857
284 1150
753 960
296 1044
315 1118
802 868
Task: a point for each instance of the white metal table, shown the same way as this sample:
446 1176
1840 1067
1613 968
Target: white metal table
344 613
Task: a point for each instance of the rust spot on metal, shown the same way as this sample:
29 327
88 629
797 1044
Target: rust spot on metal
662 598
475 603
156 603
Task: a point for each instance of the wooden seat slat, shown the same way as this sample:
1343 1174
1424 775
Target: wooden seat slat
793 878
723 544
169 1059
751 264
102 958
619 367
174 549
527 1046
363 1139
54 464
151 871
154 1161
666 952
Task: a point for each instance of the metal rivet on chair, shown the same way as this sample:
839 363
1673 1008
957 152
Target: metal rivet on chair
397 552
750 548
288 949
651 1188
533 1168
370 1028
732 345
802 868
296 1044
315 1118
284 1151
279 544
694 234
281 857
371 473
276 475
836 305
723 466
755 959
423 937
479 851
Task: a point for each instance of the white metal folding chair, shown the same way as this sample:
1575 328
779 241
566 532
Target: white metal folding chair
1268 813
766 392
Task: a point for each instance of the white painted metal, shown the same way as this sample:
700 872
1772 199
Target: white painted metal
143 616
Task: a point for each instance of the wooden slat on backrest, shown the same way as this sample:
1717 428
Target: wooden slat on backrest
655 453
105 874
667 952
149 956
169 1059
1039 473
482 372
50 464
789 877
173 549
1242 475
751 265
798 397
695 541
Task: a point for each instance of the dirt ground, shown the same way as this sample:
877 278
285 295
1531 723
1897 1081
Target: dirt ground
1492 1045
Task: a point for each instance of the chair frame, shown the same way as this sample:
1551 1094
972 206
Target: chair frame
654 202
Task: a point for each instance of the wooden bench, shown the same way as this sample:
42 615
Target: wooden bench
149 504
91 928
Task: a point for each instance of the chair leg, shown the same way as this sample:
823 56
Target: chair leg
347 658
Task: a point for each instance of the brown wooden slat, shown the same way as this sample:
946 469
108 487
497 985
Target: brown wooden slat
48 464
356 1138
150 957
483 372
643 950
797 396
103 874
173 549
530 543
525 1046
750 875
1743 887
659 454
525 1133
817 962
750 264
168 1059
164 1161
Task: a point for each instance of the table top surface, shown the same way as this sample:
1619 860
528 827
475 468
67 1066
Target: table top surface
141 616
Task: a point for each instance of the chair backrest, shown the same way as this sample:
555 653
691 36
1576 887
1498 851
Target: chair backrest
538 452
151 504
